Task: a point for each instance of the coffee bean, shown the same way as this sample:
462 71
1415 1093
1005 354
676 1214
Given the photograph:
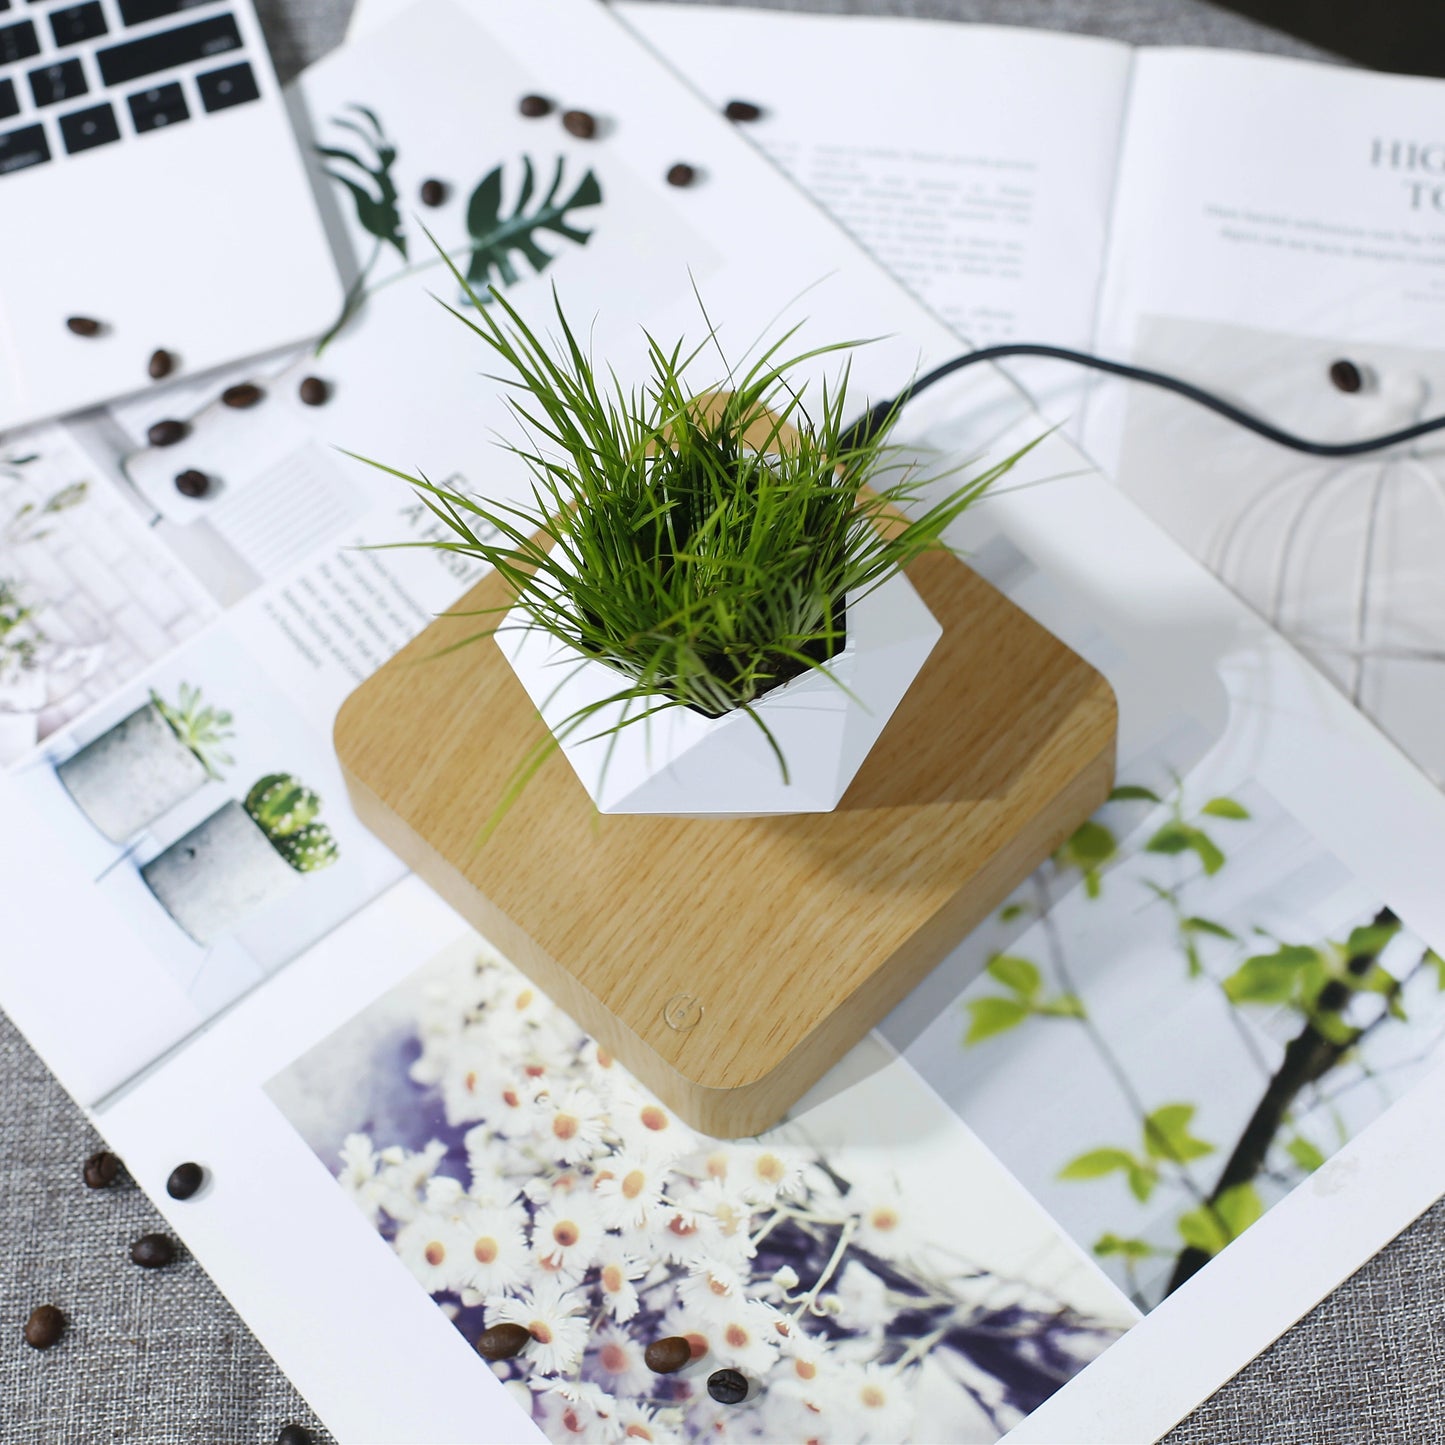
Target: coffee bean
664 1356
243 394
533 106
83 325
314 392
293 1435
191 483
1346 376
433 192
153 1251
167 433
162 363
502 1342
681 175
185 1180
727 1387
44 1327
742 110
101 1169
579 123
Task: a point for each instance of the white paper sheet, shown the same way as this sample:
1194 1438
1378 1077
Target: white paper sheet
1206 692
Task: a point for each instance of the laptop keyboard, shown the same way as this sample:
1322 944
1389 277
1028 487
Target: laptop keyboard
74 76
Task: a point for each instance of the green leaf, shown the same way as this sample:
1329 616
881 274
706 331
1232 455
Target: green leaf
990 1016
1091 843
1270 977
1142 1179
1208 854
1204 925
1167 1136
495 237
1305 1154
1437 962
1108 1244
1011 911
1133 793
1239 1207
1225 808
376 211
1097 1163
1369 940
1171 838
1017 974
1201 1229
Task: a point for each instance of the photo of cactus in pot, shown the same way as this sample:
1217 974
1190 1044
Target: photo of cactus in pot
152 759
243 856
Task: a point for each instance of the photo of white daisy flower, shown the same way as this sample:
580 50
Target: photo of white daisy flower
555 1317
524 1177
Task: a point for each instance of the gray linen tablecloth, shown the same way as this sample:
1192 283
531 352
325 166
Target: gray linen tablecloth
161 1358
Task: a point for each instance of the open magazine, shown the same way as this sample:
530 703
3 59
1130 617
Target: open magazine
1170 1095
1241 221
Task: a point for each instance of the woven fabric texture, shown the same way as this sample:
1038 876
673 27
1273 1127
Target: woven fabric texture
149 1356
159 1357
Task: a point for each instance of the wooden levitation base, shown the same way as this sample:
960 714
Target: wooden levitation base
729 962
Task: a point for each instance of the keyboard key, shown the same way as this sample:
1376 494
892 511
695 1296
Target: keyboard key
18 42
21 148
64 80
9 101
135 58
234 85
151 109
94 126
137 12
76 23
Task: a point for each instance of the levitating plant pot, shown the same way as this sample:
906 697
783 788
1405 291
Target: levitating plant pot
680 761
132 774
220 872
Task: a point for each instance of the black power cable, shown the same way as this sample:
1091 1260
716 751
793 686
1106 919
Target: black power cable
875 418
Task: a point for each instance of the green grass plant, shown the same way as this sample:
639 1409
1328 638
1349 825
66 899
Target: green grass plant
702 542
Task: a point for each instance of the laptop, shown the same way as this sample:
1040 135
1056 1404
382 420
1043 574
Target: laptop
152 199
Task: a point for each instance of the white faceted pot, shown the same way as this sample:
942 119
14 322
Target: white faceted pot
220 872
132 774
684 763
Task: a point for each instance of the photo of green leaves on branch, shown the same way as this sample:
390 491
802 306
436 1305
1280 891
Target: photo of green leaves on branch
1227 1005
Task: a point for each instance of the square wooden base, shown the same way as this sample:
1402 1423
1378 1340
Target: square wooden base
729 962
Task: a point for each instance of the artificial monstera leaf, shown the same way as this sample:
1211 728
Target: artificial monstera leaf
377 205
496 237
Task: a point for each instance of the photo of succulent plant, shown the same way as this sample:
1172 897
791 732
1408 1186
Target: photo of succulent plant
148 762
906 1290
201 727
242 857
285 811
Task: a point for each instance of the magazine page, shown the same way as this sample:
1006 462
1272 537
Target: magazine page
1296 265
979 171
1084 1153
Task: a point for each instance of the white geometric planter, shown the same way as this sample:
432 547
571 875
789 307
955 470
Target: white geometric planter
222 870
683 763
131 774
